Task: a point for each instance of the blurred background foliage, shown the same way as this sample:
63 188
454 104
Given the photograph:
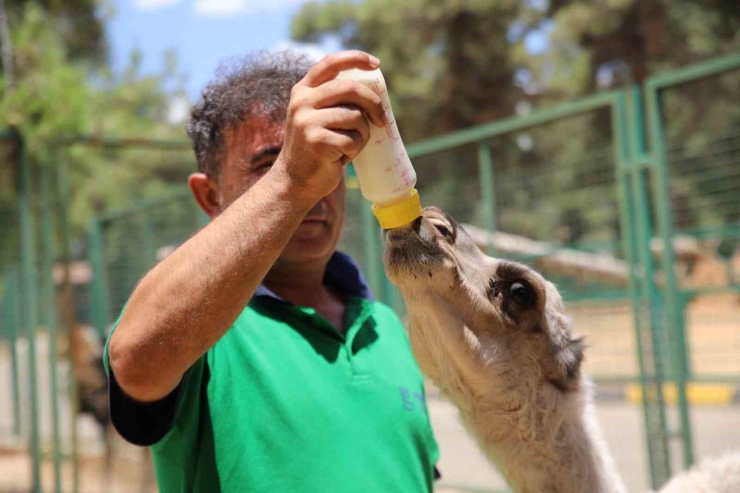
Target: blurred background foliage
60 86
450 64
453 64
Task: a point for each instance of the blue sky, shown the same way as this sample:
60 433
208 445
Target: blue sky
202 32
206 32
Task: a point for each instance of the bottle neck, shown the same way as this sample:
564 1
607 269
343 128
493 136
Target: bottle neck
399 212
396 200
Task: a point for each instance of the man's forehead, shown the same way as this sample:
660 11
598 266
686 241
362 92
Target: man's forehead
253 136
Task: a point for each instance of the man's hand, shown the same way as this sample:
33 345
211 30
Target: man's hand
327 124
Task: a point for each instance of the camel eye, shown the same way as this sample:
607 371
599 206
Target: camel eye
521 293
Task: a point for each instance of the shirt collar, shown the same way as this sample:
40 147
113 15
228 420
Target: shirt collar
342 274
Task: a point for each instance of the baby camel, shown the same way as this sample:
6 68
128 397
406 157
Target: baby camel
493 336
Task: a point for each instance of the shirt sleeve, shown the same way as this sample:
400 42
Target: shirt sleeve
142 423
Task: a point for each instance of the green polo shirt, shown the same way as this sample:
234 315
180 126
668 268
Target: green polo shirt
286 403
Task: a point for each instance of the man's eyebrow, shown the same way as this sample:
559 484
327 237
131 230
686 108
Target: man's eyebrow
267 152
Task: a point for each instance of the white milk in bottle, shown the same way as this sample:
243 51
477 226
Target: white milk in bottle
383 168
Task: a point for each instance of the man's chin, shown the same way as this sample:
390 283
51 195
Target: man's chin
306 246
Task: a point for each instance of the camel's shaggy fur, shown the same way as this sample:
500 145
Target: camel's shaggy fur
716 475
494 337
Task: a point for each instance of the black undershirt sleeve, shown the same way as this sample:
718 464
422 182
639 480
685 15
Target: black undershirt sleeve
142 423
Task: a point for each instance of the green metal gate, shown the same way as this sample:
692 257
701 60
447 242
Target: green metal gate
631 184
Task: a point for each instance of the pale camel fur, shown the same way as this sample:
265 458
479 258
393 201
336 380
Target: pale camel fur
493 336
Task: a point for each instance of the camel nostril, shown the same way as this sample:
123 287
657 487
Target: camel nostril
416 225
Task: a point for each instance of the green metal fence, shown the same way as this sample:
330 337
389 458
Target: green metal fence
38 384
636 217
605 214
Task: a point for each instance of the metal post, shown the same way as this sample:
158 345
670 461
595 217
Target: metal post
485 169
657 421
661 188
69 320
29 302
48 292
371 237
626 166
12 308
148 240
100 294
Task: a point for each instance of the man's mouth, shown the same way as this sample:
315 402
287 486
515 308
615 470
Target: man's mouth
313 220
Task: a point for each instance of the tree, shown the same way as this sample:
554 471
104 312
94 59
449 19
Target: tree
456 63
54 99
80 25
448 62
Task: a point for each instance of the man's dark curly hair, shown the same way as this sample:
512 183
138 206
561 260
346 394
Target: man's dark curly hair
258 84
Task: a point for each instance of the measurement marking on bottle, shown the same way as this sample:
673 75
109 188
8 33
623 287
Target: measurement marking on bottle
389 133
375 86
405 176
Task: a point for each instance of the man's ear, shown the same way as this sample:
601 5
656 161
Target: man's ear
206 193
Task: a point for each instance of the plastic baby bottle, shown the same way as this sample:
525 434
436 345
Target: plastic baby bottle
383 168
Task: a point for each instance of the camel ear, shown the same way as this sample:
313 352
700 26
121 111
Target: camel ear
569 360
572 357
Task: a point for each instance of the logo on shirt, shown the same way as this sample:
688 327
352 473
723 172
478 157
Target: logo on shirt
412 401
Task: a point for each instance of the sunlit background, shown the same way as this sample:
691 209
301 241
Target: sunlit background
582 137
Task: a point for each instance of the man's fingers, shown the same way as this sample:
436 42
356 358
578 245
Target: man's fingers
340 142
345 118
350 92
329 67
348 141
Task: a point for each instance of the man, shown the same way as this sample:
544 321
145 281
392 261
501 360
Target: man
252 359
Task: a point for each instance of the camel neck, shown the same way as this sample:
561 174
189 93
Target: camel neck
564 452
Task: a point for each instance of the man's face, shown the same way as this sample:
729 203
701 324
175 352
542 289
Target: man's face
250 152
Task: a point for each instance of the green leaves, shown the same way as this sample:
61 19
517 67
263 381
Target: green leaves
57 97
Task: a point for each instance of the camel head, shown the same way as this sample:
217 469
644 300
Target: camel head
472 312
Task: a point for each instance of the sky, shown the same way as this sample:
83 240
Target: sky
202 32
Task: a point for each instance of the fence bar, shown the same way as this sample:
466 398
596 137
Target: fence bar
665 226
656 421
629 245
141 206
485 131
70 318
100 294
120 142
149 242
29 302
371 237
710 68
485 168
50 313
13 321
